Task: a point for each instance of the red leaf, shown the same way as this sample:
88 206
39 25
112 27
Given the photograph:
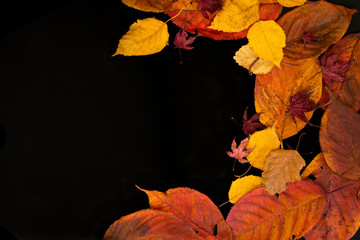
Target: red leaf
300 104
239 153
182 41
332 69
210 6
252 125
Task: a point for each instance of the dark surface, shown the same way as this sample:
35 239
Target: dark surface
83 128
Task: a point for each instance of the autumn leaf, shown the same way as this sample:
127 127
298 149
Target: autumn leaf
300 104
241 186
210 6
252 125
344 53
149 5
316 163
193 21
259 215
239 152
274 90
150 224
263 142
340 139
236 15
267 39
147 36
291 3
333 69
281 167
326 21
341 216
246 58
192 207
182 40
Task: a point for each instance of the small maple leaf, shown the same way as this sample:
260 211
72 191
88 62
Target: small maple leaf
239 153
250 126
309 38
182 41
210 6
300 104
332 69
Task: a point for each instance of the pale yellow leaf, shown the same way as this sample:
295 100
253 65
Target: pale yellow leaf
291 3
241 186
246 58
267 39
263 142
149 5
236 15
147 36
280 168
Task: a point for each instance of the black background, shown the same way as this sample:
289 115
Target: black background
82 128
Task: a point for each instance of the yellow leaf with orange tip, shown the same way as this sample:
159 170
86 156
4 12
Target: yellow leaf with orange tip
274 90
145 37
267 39
242 186
236 15
263 142
316 163
281 167
149 5
246 58
291 3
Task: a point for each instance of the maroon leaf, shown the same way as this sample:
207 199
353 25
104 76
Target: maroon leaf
300 104
252 125
309 38
182 41
332 69
210 6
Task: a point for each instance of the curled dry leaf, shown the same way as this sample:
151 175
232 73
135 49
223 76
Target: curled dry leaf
194 208
149 5
246 58
147 36
241 186
340 139
274 90
259 215
341 216
263 142
281 167
150 224
326 21
193 20
267 39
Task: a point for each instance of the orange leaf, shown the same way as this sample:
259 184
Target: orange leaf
149 5
346 50
150 224
259 215
194 208
280 168
193 21
317 162
341 216
274 90
326 22
340 139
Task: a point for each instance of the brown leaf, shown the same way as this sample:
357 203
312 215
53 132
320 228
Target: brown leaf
341 216
280 168
340 139
274 90
327 23
259 215
194 208
150 224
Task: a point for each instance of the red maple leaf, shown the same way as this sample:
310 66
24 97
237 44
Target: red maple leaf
332 69
182 41
239 152
300 104
252 125
210 6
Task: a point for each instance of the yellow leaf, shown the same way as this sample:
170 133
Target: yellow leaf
263 142
241 186
267 39
147 36
149 5
236 15
291 3
246 58
316 163
280 168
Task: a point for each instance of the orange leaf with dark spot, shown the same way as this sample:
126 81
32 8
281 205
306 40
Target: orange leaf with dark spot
194 208
192 20
327 23
341 216
259 215
340 139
